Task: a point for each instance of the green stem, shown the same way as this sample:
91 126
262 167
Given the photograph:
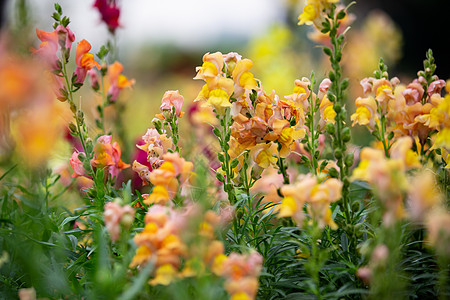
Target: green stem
337 41
228 186
283 169
75 111
104 101
383 132
312 143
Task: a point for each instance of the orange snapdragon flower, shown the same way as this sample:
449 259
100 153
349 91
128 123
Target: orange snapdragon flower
117 81
107 155
84 60
160 242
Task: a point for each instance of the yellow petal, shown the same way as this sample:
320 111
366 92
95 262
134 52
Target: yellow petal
288 207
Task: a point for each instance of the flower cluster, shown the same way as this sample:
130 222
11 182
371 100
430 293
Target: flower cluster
116 215
155 145
106 156
180 246
314 12
392 110
439 120
55 50
115 82
173 174
387 175
307 189
262 123
241 272
160 243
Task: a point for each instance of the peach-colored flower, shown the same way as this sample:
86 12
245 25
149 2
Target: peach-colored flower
160 240
230 60
143 172
383 91
327 112
156 145
242 76
263 154
438 227
366 112
286 135
423 195
301 93
413 93
388 178
318 196
268 185
401 150
114 216
172 99
435 87
212 66
241 274
27 294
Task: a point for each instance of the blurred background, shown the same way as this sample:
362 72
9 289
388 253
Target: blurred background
161 42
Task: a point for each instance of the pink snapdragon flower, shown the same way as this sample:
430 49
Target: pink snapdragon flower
435 87
65 37
77 165
48 48
172 99
116 215
413 92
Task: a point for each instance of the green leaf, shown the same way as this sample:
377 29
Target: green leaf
327 51
340 15
220 177
216 132
138 283
234 163
58 8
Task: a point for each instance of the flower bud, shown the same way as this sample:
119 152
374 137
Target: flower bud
346 136
330 128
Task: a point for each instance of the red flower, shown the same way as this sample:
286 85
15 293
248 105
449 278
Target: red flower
110 13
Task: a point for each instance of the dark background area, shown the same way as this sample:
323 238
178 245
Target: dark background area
424 25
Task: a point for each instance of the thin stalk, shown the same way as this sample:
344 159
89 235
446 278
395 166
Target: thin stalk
383 132
283 169
228 186
312 144
72 103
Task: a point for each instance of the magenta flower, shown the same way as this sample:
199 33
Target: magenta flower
110 13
